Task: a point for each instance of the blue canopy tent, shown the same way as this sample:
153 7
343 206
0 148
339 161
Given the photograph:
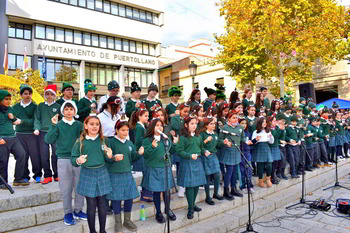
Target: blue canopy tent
343 104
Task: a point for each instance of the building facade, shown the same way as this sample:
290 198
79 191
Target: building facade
102 40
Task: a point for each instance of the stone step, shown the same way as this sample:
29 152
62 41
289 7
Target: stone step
230 214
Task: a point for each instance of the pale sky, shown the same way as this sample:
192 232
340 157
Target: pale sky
186 20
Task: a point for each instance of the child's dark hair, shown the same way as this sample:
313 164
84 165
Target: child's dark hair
119 124
193 94
273 105
151 126
135 117
270 119
236 105
165 114
85 131
250 106
259 123
113 103
195 109
234 98
243 119
185 131
258 102
221 108
206 122
211 111
68 105
246 91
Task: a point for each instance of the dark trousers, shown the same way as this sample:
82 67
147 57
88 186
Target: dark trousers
332 150
339 151
30 144
45 157
230 176
281 164
100 203
293 157
346 148
14 147
301 165
310 160
273 171
323 152
326 144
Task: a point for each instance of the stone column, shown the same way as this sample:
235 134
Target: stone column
81 79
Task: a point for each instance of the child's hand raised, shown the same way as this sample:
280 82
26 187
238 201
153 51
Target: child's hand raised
154 143
194 156
109 152
54 119
82 159
142 150
176 139
118 157
172 132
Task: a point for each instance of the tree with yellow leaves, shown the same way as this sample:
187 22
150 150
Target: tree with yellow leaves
282 38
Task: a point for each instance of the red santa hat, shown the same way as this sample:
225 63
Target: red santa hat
51 88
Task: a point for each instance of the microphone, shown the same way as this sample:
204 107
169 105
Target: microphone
162 134
227 132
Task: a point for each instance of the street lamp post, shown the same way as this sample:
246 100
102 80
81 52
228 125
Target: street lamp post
193 71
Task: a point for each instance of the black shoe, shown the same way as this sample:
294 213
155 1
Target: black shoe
172 216
235 192
275 181
295 176
190 214
20 183
197 209
209 201
279 176
160 218
284 177
227 195
218 197
308 169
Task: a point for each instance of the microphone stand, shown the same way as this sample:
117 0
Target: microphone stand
7 185
247 165
302 198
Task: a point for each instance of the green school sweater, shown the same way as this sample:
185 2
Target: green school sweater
310 140
140 133
190 145
267 103
44 114
193 103
325 126
94 149
65 136
27 117
177 124
153 156
251 124
246 104
170 109
84 108
292 134
339 127
150 104
238 138
320 134
6 127
130 155
210 146
277 135
207 103
130 108
61 101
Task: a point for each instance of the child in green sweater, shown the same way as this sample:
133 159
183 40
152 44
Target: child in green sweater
91 153
9 143
87 105
191 174
123 184
64 133
174 93
43 115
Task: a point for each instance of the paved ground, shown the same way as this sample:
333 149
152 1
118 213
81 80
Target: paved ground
302 219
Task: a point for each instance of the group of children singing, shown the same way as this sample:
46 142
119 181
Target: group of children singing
95 150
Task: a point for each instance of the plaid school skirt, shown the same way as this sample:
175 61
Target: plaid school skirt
339 140
347 136
191 173
229 156
211 164
275 153
262 153
332 142
138 165
175 158
123 187
154 179
94 182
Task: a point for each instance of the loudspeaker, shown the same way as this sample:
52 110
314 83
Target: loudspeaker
307 90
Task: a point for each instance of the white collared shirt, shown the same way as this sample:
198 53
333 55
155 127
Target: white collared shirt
151 100
136 101
25 105
175 104
68 122
121 140
210 133
141 124
89 99
251 118
91 138
50 104
108 123
192 134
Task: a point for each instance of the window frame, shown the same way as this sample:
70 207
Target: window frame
24 29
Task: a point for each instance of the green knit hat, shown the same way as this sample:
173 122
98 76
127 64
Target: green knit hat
23 87
312 105
220 95
294 118
112 85
280 116
3 94
66 85
88 85
174 90
311 119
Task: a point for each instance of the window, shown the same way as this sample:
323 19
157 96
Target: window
50 33
12 61
59 34
78 37
149 17
133 46
149 77
68 35
152 50
40 31
94 40
16 61
137 76
131 76
91 4
12 30
121 10
101 74
64 1
118 44
19 30
155 19
139 47
73 2
98 5
109 74
103 42
106 6
110 42
59 70
143 15
145 48
87 39
27 32
135 14
114 8
126 45
82 3
143 78
128 12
